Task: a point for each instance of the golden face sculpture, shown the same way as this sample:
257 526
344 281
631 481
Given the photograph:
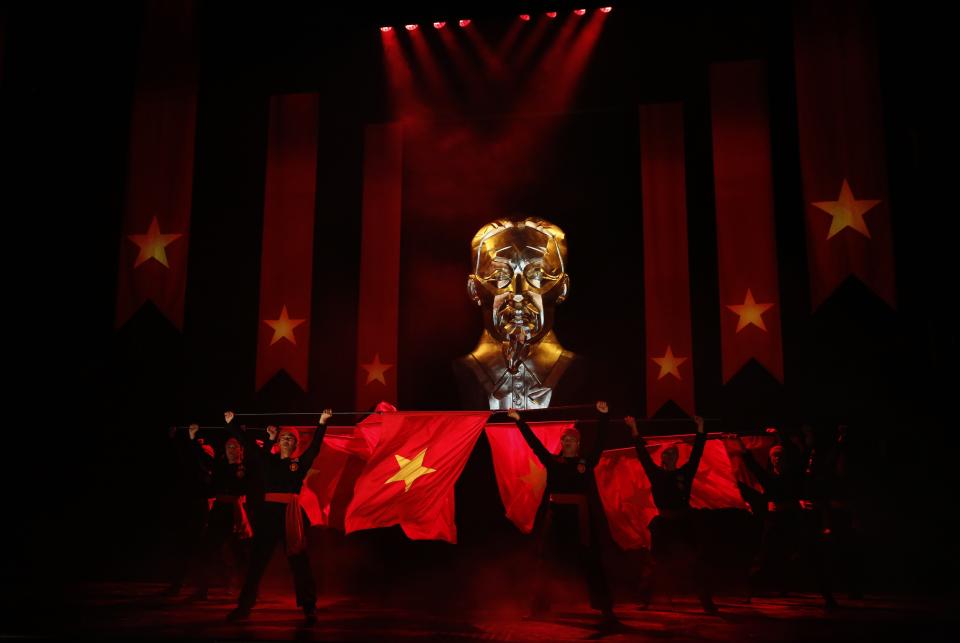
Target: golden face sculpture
519 276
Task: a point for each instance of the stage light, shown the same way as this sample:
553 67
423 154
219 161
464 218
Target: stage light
439 25
525 17
551 14
411 27
464 23
579 12
606 9
386 29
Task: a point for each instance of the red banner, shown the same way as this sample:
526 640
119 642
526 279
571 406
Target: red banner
521 478
379 267
746 241
666 271
286 266
409 479
627 499
156 218
842 155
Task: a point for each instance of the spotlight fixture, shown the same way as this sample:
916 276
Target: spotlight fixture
525 17
386 29
411 27
551 14
464 23
439 24
580 12
606 9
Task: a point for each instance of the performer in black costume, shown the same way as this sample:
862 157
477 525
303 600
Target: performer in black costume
574 513
675 538
195 460
281 517
227 520
786 533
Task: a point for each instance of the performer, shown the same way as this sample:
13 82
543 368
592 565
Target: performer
675 538
195 461
227 521
574 515
281 517
784 523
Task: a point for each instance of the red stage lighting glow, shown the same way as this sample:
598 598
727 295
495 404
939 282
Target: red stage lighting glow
606 9
525 17
386 29
411 27
579 12
439 25
551 14
464 23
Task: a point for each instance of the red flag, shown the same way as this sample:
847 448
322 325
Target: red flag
628 501
759 446
289 210
410 476
746 244
521 478
842 155
379 266
328 486
156 218
666 270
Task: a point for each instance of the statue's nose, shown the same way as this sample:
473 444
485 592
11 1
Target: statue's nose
518 286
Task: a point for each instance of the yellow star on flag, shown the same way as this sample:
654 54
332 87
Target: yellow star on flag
750 312
153 244
847 212
669 363
283 327
376 369
410 470
536 477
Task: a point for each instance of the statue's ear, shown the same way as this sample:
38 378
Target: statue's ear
472 290
564 289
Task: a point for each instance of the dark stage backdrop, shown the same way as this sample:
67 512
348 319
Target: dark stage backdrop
114 503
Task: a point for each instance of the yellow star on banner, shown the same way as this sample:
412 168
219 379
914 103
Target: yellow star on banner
376 369
750 312
536 477
410 470
668 364
283 327
847 212
153 244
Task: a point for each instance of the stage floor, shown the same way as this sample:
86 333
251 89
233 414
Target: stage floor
136 610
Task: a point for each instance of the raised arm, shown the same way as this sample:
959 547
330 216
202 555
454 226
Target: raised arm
649 466
545 457
306 460
698 445
602 429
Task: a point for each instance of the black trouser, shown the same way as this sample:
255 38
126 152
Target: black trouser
561 541
195 520
268 529
219 531
677 546
789 535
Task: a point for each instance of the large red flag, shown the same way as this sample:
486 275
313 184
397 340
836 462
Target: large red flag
156 218
521 478
328 486
666 271
410 476
746 244
628 501
842 155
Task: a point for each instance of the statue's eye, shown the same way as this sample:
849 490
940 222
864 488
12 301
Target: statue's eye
535 275
501 277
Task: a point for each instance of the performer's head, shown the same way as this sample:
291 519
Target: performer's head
234 451
776 459
288 440
228 416
518 277
570 443
669 457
